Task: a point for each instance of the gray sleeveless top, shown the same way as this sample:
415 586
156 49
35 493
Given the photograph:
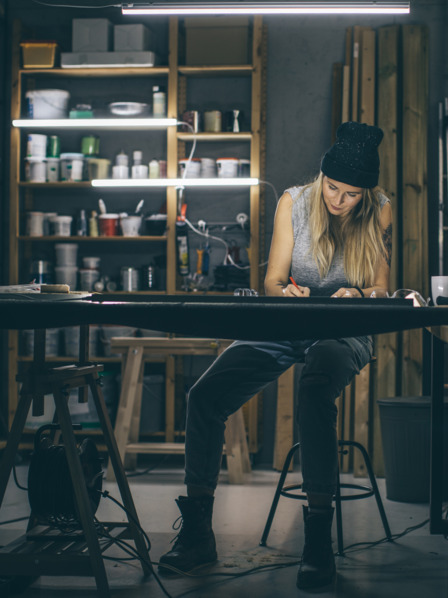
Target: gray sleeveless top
303 266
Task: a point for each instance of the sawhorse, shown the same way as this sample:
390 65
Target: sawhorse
135 352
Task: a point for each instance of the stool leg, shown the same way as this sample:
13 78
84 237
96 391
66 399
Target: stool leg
376 492
277 495
337 500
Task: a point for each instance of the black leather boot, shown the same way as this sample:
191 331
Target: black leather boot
195 544
317 567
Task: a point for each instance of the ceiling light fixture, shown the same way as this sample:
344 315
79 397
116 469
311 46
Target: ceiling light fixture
265 8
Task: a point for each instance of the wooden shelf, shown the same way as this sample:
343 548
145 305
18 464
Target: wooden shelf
117 239
58 185
99 72
241 69
244 136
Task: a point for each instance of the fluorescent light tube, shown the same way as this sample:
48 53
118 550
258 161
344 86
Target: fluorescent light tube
105 123
265 8
216 182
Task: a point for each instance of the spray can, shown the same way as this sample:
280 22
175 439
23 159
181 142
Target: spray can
183 254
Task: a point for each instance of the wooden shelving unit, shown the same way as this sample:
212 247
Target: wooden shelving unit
175 76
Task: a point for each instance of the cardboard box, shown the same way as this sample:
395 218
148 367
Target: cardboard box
91 35
134 37
217 40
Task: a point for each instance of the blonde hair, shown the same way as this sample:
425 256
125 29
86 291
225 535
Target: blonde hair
360 235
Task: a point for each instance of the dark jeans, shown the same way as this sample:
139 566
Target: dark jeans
243 370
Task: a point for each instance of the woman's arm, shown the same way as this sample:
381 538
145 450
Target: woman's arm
276 283
381 285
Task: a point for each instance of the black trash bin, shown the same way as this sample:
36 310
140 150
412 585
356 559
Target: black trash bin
405 431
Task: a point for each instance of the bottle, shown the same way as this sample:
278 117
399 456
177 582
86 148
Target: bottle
183 254
139 170
137 157
158 102
154 170
81 224
93 224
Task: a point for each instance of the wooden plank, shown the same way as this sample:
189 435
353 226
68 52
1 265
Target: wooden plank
170 390
284 423
171 193
367 78
356 50
361 429
336 98
387 346
415 200
254 254
345 108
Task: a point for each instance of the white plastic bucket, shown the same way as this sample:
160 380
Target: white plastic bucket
72 165
35 170
130 226
66 275
52 170
61 225
227 167
192 168
66 254
36 146
47 103
35 224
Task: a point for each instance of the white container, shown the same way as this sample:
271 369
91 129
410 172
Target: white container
193 168
120 171
66 254
66 275
208 168
91 263
52 170
139 171
35 170
227 167
47 103
35 224
61 225
130 226
439 287
36 146
87 278
72 165
154 169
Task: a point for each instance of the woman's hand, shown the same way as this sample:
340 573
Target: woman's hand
295 291
343 292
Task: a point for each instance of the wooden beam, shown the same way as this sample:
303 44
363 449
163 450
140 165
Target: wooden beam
284 423
336 98
415 200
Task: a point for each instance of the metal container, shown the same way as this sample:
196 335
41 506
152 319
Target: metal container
129 279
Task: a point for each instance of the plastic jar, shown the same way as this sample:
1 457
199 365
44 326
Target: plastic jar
208 168
130 226
47 103
36 146
35 170
66 254
193 170
108 224
61 225
91 263
52 170
35 224
66 275
227 167
87 278
72 165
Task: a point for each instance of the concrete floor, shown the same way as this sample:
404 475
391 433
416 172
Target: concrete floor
416 565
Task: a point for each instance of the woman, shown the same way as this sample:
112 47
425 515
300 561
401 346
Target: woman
334 237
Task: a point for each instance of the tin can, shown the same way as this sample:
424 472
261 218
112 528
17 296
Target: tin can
54 147
212 121
129 279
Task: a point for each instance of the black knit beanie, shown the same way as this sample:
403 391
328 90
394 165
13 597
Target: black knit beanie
353 159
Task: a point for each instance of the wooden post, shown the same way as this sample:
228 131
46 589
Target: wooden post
362 400
415 200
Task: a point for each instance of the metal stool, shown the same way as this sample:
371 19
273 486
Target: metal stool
365 492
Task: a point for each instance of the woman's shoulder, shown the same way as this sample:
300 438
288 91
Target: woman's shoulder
383 199
296 191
